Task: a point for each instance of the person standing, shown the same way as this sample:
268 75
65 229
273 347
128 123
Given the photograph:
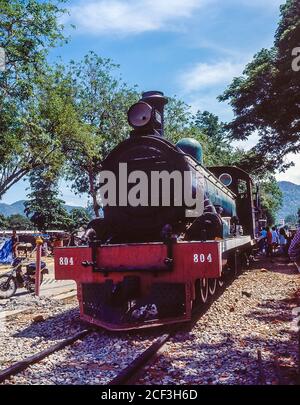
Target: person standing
283 241
269 242
275 239
15 242
262 240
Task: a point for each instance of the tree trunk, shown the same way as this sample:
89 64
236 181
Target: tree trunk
93 194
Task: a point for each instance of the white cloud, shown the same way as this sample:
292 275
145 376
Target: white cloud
204 75
209 102
249 143
123 17
292 174
131 16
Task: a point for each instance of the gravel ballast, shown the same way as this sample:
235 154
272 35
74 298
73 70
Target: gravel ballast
253 314
95 359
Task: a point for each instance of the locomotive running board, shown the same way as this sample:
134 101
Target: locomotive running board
236 242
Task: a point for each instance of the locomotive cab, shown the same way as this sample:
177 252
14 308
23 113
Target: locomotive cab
240 183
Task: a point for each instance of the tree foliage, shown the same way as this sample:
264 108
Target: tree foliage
18 222
271 198
266 99
218 149
27 30
3 222
44 208
79 217
101 100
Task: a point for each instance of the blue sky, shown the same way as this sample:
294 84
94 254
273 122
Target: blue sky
188 48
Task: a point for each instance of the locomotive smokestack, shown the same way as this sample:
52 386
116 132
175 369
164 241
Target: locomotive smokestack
157 100
147 116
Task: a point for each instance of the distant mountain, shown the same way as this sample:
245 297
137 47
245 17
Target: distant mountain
291 199
18 208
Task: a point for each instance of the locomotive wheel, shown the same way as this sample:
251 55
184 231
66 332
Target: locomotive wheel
220 282
212 285
197 300
204 290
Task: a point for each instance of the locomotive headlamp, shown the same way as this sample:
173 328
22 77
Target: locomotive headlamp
146 116
140 114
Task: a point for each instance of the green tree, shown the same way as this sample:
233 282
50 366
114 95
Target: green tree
18 222
44 208
28 29
271 198
266 99
177 119
3 222
218 147
79 217
102 100
211 126
54 122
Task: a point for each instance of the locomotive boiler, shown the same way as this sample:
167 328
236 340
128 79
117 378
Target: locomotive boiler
170 231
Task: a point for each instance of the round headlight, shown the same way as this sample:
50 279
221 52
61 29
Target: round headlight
139 114
226 179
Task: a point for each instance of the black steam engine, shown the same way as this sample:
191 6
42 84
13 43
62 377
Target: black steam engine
226 206
171 228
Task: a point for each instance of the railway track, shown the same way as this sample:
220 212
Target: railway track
27 362
214 344
127 376
124 377
130 373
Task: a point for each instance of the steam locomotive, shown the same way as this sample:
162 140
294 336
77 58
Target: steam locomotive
171 229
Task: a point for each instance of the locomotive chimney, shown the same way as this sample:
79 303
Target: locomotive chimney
147 115
157 100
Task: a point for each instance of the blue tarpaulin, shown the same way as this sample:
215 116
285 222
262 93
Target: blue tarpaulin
6 254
